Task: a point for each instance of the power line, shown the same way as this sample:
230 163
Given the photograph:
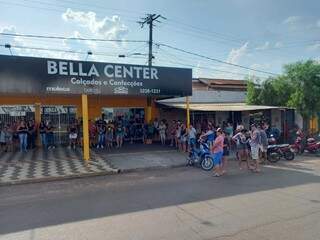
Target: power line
47 6
72 38
57 50
214 59
207 68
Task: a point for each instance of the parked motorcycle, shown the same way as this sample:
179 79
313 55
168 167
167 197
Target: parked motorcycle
312 146
278 151
201 157
297 145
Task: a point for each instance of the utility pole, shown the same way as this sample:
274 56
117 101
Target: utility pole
149 19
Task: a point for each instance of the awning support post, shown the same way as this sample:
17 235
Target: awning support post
85 125
149 109
37 119
188 111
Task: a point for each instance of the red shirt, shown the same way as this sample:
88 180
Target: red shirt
218 144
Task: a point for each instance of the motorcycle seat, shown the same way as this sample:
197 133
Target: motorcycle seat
311 140
273 146
283 145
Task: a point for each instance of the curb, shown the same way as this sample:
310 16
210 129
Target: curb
52 179
84 175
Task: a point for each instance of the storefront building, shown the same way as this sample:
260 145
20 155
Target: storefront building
221 101
63 89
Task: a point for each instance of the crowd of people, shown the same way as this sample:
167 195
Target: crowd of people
23 134
249 145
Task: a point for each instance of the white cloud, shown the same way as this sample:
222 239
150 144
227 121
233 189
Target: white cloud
265 46
236 54
314 47
318 23
198 71
292 20
27 46
109 28
7 29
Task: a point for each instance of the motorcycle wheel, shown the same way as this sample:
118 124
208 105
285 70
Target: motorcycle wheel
207 163
273 157
289 156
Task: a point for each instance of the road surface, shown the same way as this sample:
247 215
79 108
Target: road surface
283 202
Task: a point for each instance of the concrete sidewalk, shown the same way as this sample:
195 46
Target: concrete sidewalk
62 163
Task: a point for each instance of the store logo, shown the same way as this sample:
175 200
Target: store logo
121 90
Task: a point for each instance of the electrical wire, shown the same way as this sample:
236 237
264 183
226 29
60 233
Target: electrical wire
72 38
165 59
214 59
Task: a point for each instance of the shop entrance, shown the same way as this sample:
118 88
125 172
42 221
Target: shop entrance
60 117
131 118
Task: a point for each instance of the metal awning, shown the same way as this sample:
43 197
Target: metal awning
219 106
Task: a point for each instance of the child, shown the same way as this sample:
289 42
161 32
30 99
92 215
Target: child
73 135
109 136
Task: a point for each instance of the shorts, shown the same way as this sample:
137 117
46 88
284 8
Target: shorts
217 158
226 152
120 135
73 136
192 142
255 152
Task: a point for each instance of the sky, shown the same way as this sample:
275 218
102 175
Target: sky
261 35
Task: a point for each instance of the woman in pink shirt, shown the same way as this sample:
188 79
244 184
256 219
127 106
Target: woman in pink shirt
217 150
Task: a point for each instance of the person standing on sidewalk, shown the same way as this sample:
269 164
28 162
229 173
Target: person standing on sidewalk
101 135
226 152
254 144
43 132
192 136
31 134
162 131
217 150
23 136
263 143
50 135
172 131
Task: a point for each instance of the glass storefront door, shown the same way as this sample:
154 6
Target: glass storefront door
60 117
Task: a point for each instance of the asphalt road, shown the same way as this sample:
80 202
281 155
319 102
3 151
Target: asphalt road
283 202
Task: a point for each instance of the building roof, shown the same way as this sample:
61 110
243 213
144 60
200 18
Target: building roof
220 106
225 84
210 96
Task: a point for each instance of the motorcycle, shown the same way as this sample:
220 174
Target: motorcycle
312 146
201 157
278 151
297 145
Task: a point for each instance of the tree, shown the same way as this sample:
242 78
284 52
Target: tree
274 91
305 78
252 92
298 87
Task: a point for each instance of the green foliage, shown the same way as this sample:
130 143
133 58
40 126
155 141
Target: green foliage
298 87
252 93
305 77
